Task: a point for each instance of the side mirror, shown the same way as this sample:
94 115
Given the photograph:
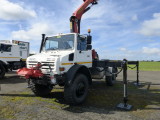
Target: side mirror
89 47
89 39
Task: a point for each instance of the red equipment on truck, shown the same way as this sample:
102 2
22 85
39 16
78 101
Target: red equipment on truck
33 72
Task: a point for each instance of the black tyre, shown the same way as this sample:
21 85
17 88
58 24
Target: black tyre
41 90
2 71
110 80
77 92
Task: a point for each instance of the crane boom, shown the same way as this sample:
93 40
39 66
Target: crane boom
75 19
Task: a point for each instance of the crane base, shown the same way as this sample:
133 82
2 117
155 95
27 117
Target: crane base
122 106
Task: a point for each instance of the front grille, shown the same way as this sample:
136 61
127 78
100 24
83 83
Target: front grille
51 64
45 67
32 63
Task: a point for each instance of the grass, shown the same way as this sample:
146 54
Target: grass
145 101
148 66
14 103
8 112
110 96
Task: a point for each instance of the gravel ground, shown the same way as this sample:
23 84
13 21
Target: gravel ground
18 103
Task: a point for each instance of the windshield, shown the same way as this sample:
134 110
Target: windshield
61 42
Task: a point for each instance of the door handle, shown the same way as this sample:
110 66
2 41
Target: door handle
81 52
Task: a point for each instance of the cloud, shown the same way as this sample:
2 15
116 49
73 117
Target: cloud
95 12
135 17
152 51
151 27
34 32
112 22
13 11
122 49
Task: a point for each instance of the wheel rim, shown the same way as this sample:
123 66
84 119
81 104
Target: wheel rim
80 89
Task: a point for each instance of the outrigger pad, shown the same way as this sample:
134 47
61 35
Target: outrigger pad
123 106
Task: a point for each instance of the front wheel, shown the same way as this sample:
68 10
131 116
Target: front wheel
77 92
41 90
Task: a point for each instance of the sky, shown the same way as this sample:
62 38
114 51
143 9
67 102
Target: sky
120 28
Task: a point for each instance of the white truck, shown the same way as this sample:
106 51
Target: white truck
68 60
12 55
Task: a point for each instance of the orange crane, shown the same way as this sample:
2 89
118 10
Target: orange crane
75 19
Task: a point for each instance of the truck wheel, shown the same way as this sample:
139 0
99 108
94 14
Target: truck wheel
110 80
77 92
2 71
41 90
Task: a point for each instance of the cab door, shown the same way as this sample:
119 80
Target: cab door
9 53
5 53
83 56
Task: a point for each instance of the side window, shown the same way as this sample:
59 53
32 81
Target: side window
82 44
6 48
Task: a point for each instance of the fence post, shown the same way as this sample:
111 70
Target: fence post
137 82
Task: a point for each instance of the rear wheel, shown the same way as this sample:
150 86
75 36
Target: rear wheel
77 92
2 71
41 90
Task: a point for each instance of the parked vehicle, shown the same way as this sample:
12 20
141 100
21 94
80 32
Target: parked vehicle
12 55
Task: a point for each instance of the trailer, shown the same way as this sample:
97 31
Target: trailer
68 60
13 55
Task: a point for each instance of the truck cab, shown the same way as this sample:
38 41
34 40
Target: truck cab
62 52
